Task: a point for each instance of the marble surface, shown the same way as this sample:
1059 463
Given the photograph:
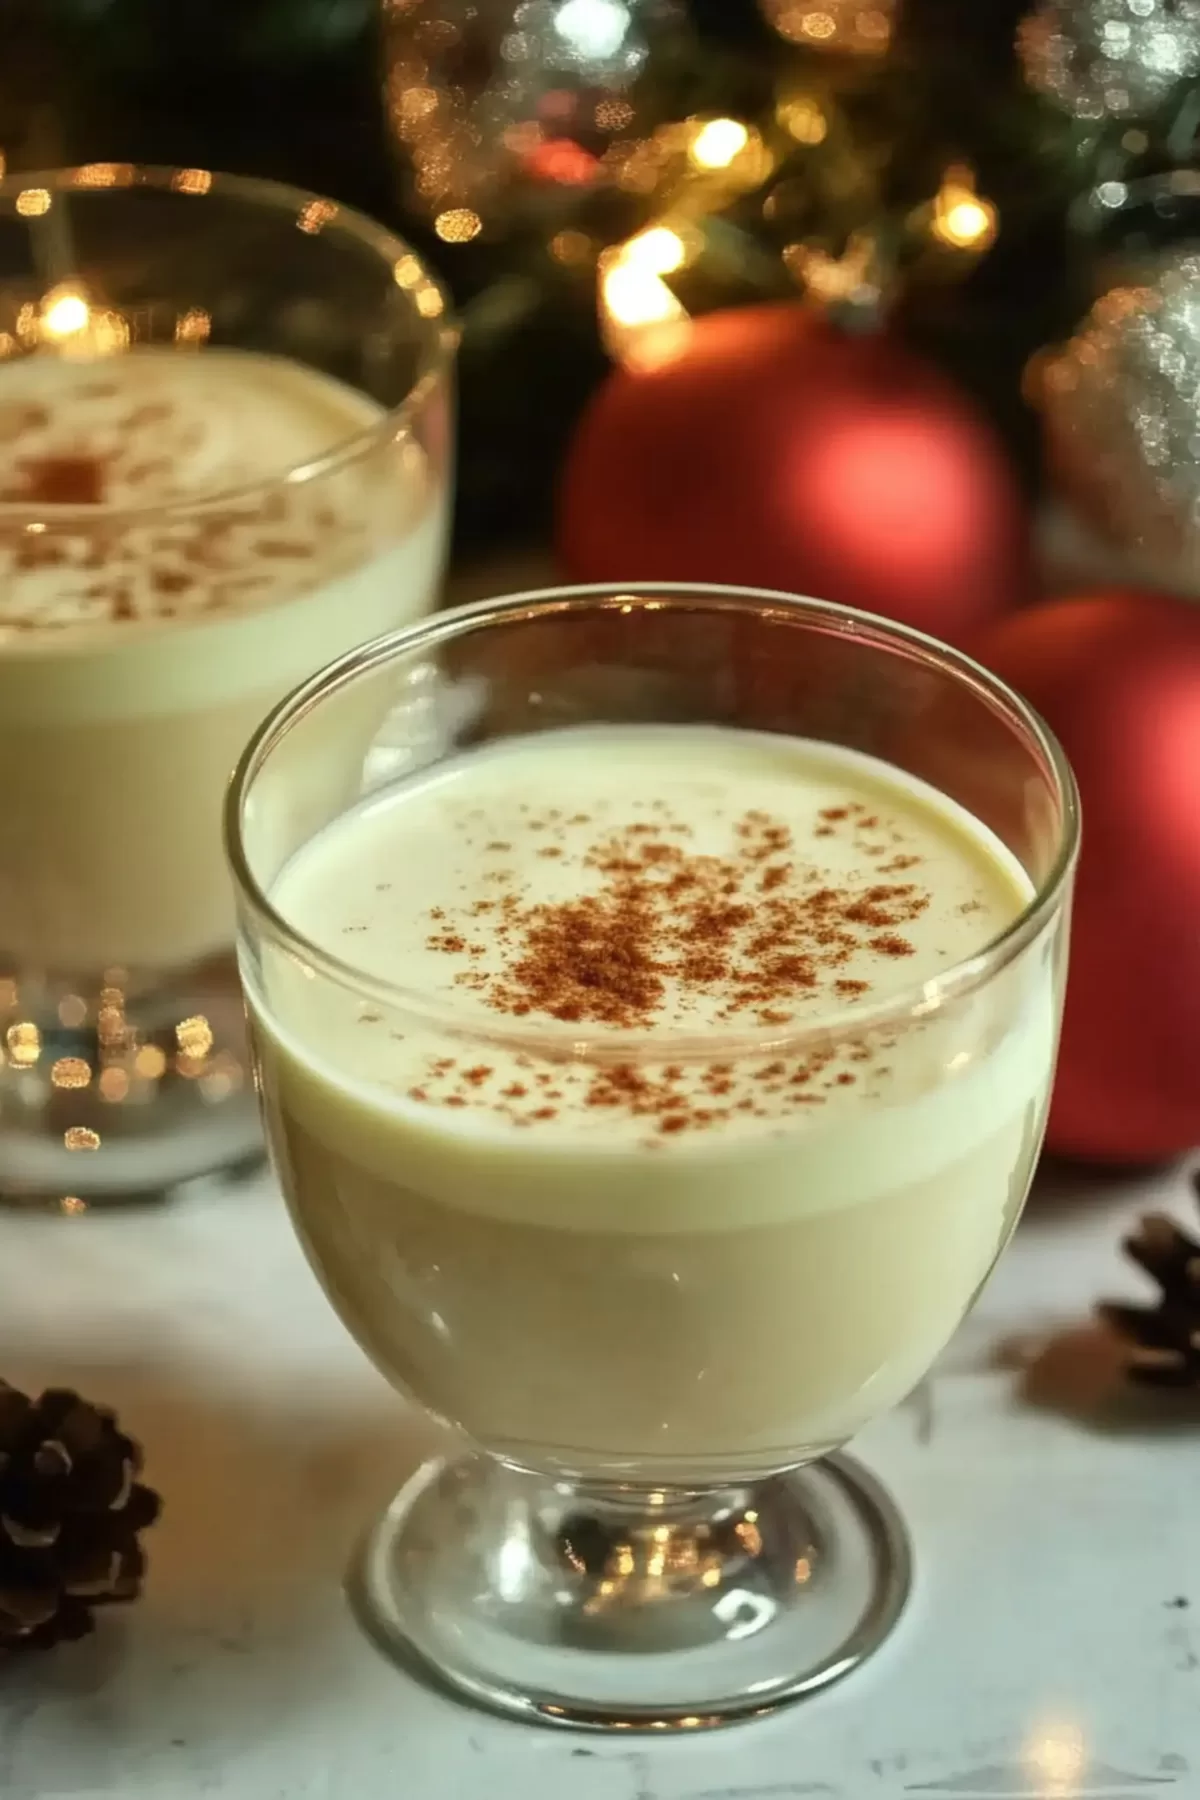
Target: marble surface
1052 1648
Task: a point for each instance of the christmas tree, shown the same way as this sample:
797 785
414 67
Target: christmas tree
577 168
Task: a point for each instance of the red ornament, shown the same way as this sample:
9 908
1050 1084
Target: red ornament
1117 676
775 451
562 160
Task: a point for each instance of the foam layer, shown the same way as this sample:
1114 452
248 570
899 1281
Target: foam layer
688 882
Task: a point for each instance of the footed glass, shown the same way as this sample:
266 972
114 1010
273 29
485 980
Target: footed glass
652 1340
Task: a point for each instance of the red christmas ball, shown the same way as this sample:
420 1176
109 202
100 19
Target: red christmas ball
775 451
1117 676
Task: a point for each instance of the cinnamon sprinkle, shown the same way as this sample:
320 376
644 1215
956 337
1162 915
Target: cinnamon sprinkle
666 928
748 937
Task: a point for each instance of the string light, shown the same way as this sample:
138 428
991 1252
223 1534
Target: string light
613 115
193 326
24 1043
314 215
635 296
658 250
458 225
65 319
961 219
837 279
572 248
407 272
65 312
640 318
718 142
192 181
593 28
104 175
803 119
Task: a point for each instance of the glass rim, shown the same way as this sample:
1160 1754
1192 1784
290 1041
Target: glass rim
440 333
558 1038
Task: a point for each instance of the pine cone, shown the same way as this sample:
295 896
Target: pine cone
71 1508
1164 1340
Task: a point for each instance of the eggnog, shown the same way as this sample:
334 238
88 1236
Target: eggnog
174 555
612 1151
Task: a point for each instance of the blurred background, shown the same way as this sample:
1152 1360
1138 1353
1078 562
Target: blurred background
918 161
896 302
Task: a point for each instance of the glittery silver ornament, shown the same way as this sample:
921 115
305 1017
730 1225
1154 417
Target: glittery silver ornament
512 101
1110 59
1121 408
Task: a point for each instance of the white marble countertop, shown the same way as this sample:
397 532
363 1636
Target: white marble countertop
1052 1647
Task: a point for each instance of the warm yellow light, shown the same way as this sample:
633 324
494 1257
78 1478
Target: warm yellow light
65 319
717 143
571 247
636 296
961 218
64 314
33 202
659 250
613 114
803 119
315 215
417 103
194 1036
104 175
80 1137
150 1062
24 1043
192 181
1056 1757
430 304
193 326
641 320
114 1085
835 279
458 226
966 222
407 272
71 1072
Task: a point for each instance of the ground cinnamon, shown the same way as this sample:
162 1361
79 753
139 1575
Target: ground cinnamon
662 935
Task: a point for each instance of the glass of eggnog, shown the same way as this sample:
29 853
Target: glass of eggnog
655 1003
225 447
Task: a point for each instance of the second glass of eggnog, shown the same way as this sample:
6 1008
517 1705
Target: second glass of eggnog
225 448
655 1022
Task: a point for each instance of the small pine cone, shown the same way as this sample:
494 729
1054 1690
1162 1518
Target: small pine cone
71 1508
1163 1341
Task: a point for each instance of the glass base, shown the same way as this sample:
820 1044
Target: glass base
631 1608
113 1094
